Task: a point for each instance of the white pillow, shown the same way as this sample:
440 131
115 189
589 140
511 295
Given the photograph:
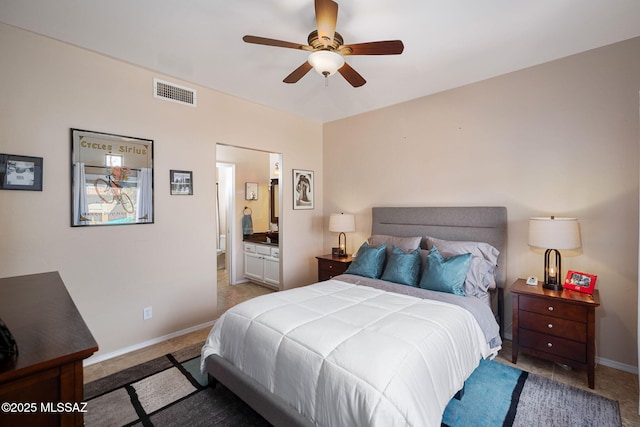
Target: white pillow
484 260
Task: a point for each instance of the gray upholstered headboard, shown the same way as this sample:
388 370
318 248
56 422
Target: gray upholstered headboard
477 224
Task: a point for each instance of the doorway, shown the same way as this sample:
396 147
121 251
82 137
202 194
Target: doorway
240 172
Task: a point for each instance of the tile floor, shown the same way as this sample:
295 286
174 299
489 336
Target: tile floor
612 383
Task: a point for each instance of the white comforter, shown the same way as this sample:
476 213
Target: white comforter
348 355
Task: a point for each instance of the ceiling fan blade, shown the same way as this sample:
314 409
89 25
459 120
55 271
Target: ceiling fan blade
272 42
351 75
388 47
326 18
298 73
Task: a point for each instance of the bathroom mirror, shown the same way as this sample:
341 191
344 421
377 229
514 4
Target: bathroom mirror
274 205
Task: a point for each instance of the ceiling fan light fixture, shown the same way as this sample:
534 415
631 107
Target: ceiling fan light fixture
326 62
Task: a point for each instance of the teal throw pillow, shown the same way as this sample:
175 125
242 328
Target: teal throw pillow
445 274
368 262
402 267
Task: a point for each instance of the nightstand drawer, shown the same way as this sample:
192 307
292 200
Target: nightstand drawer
550 325
553 345
555 308
332 267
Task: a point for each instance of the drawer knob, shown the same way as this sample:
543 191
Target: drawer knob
549 345
330 267
550 326
550 308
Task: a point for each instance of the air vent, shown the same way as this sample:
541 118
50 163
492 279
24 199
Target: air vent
173 92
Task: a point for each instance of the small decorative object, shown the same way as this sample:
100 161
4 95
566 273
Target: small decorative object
581 282
181 182
251 191
20 172
302 189
8 346
341 223
553 234
111 180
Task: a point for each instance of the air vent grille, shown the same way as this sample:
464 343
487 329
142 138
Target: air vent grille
173 92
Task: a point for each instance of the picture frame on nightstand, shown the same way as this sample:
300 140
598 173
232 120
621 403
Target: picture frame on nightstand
581 282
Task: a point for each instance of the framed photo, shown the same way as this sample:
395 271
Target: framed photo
181 183
20 172
251 191
581 282
303 189
111 179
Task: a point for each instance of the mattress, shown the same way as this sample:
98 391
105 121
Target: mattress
343 354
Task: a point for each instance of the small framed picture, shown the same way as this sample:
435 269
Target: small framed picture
251 191
20 172
181 183
302 189
581 282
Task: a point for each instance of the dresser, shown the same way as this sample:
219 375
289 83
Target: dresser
555 325
52 340
330 266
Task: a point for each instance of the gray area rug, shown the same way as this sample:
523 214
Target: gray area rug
169 391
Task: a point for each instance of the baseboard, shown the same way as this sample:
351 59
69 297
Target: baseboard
599 360
101 358
617 365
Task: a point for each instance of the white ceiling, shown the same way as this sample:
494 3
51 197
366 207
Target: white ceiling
448 43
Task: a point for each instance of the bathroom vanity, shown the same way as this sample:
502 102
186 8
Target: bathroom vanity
262 263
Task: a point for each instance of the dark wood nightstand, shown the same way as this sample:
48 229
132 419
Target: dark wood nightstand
555 325
330 266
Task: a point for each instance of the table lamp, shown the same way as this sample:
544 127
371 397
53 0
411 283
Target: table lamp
342 223
553 234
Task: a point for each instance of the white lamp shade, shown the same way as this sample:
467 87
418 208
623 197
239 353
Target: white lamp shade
554 233
325 62
342 223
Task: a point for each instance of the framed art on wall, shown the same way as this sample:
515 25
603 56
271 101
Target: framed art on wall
111 179
181 182
581 282
303 189
251 191
20 172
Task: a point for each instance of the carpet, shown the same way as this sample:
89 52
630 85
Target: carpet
169 391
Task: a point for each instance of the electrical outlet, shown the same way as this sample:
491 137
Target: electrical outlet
147 313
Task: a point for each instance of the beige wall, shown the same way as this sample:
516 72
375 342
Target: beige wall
113 272
556 139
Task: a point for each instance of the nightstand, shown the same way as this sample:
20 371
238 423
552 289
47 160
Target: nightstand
555 325
330 266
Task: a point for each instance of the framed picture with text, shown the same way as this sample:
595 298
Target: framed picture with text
20 172
111 179
581 282
303 189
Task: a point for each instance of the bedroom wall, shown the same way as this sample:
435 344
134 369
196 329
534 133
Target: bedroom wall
556 139
112 273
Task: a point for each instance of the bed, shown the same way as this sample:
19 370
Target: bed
358 350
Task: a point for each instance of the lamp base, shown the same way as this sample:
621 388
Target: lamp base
553 286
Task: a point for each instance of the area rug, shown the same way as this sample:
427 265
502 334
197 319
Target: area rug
169 391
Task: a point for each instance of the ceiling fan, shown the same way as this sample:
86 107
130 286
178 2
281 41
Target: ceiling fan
327 48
